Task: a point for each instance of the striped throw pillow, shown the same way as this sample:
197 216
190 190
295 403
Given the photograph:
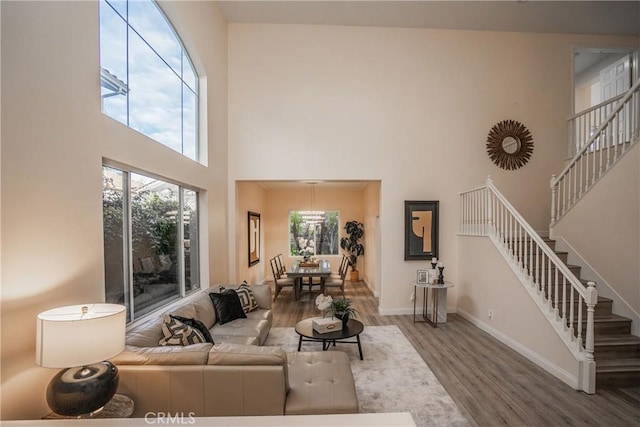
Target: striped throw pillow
177 333
247 300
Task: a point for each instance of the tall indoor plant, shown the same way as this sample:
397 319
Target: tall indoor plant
351 244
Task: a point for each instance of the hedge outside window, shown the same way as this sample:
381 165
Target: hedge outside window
150 241
313 233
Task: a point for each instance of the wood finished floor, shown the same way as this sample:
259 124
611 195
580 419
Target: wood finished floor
491 384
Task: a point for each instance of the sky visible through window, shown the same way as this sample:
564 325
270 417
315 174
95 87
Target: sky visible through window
139 47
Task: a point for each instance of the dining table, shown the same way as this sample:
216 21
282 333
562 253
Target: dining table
301 270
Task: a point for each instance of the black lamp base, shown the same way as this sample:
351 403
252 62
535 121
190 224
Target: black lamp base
81 391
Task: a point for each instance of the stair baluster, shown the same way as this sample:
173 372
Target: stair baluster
614 135
486 212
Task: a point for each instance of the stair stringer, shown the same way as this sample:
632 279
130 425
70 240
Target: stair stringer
620 306
587 365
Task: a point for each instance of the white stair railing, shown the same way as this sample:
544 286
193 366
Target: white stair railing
556 290
585 123
603 147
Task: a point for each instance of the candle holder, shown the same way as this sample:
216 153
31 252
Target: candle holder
441 276
433 265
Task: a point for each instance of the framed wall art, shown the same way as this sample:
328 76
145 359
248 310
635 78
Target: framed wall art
254 238
420 230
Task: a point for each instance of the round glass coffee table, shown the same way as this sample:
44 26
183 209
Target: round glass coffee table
354 328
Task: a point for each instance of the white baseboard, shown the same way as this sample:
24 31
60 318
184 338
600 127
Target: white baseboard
404 311
375 292
550 367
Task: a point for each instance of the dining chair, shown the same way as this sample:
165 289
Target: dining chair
280 282
331 282
343 264
280 261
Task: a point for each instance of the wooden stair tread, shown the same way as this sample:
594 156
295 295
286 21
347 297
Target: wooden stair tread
603 340
614 365
609 318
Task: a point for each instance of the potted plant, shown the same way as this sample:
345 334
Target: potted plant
339 308
351 244
342 309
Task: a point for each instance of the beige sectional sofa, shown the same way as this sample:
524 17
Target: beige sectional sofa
235 376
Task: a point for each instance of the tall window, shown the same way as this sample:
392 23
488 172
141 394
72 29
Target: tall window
150 241
147 79
313 232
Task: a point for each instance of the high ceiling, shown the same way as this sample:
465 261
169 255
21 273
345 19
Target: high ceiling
577 17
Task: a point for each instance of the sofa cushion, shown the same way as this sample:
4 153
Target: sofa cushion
243 327
227 306
261 314
204 310
238 354
186 310
321 382
247 300
196 354
236 339
177 333
146 334
262 294
197 325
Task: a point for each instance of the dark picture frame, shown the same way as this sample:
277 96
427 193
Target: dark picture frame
253 233
420 230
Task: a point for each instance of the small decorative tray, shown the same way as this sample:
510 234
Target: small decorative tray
309 264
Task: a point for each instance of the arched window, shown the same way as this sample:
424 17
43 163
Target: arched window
147 79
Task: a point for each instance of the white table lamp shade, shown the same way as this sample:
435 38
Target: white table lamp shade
67 337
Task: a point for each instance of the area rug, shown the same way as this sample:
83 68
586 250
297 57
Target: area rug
391 378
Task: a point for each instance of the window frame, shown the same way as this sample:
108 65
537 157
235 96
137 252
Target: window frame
324 212
187 84
127 236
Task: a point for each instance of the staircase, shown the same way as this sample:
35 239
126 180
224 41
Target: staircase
616 351
600 341
598 148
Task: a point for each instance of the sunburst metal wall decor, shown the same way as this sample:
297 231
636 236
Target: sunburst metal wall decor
509 144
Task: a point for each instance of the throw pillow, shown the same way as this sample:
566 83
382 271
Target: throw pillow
197 325
177 333
247 300
227 306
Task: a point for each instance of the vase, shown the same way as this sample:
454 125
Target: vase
344 317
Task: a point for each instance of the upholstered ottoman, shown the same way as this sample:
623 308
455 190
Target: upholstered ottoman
320 383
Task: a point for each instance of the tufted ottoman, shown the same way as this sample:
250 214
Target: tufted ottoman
320 383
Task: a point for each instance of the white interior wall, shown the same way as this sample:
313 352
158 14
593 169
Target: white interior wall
604 231
250 197
409 107
488 283
348 202
371 213
53 141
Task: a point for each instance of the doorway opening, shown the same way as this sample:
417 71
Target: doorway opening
601 77
600 74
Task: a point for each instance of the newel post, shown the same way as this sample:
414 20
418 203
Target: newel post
488 205
553 199
591 299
